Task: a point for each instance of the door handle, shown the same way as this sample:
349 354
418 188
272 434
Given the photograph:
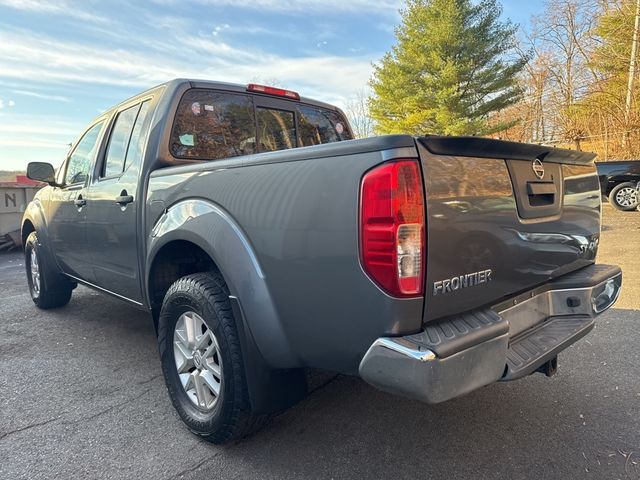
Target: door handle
123 198
79 202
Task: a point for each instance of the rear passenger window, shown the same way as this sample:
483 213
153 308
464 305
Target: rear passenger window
211 125
127 140
119 142
138 136
276 129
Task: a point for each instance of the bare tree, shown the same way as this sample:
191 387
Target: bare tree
559 75
531 113
357 110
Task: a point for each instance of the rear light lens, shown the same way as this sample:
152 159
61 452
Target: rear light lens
392 227
278 92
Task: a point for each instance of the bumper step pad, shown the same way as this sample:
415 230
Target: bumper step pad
460 332
533 348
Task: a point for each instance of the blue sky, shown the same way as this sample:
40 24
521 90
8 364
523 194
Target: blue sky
64 61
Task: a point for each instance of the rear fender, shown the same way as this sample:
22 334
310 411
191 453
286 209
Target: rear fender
208 226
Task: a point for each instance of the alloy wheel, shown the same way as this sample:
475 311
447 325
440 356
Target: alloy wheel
198 360
627 197
35 272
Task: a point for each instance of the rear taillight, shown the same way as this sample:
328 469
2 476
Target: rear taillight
392 227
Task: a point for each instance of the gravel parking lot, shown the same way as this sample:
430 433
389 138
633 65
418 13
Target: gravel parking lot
82 396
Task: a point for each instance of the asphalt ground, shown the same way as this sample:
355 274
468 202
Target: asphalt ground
81 396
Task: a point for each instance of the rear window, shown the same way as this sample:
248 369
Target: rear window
211 125
319 125
276 129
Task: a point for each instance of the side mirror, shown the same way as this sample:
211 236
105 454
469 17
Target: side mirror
42 172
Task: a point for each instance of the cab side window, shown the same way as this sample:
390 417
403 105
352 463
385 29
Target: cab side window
82 156
119 142
127 140
138 136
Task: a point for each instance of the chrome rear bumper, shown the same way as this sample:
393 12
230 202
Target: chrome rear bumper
505 342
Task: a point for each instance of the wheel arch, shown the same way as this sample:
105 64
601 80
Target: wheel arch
27 229
206 237
34 220
174 260
614 181
199 227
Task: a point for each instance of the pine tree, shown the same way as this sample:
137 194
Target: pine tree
449 70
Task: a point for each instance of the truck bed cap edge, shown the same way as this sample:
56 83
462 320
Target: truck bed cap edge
491 148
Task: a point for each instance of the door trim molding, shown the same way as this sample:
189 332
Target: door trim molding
104 290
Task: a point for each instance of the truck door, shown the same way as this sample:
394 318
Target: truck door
67 227
113 215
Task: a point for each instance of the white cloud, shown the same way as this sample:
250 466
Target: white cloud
301 6
11 103
58 7
34 125
327 77
220 28
32 142
109 56
34 137
252 29
43 96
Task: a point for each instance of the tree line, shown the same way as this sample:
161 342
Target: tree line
568 78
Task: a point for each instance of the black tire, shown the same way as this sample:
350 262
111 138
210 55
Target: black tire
53 290
231 418
626 187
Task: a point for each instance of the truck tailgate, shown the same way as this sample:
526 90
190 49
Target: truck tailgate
502 218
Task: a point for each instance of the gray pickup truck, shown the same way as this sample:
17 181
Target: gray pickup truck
265 241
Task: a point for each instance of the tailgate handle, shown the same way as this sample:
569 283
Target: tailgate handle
541 194
541 188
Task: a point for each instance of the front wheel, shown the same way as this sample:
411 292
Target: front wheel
48 288
201 359
624 196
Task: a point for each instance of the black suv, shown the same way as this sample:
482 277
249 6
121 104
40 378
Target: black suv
619 182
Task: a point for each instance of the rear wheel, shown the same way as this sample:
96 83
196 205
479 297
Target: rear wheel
624 196
201 359
48 288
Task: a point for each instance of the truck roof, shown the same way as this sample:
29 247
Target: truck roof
235 87
176 83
